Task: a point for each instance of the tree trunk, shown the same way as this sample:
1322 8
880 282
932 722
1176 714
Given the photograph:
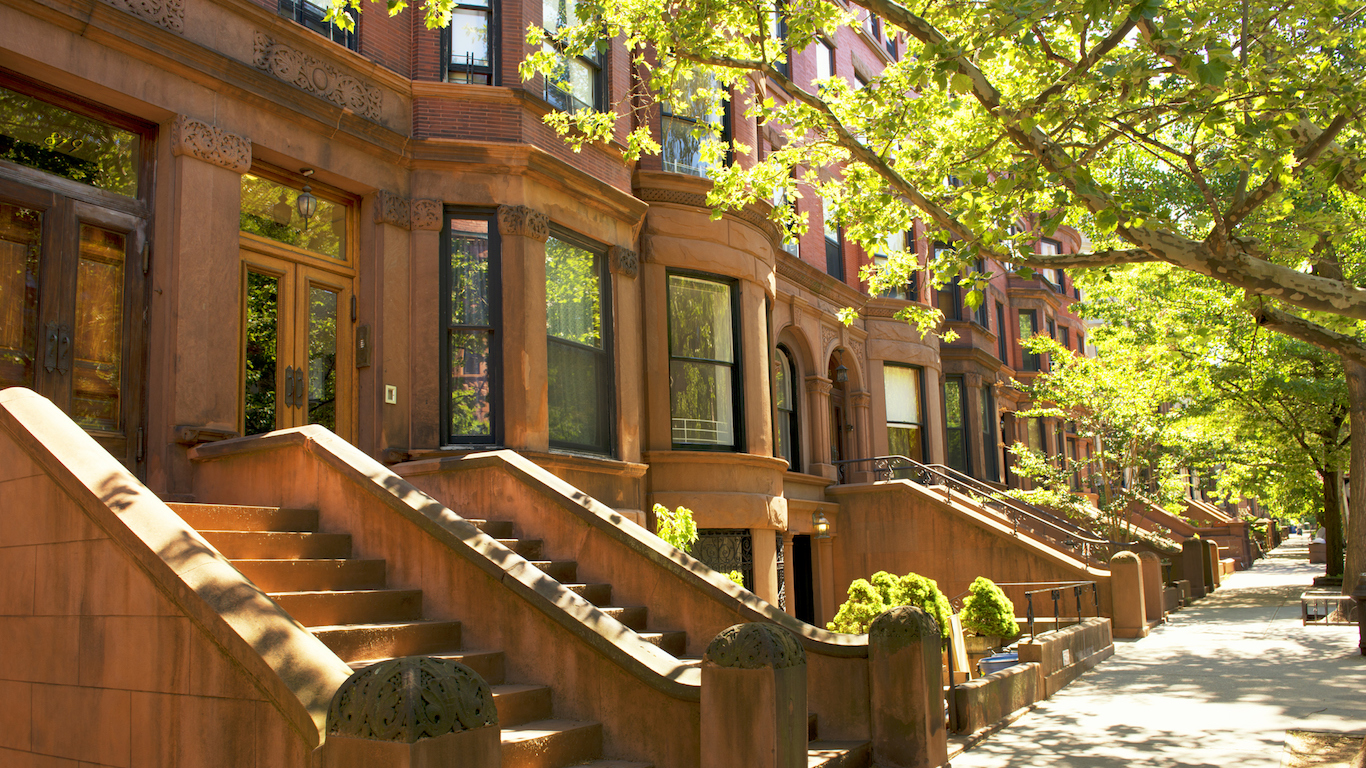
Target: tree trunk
1356 515
1332 520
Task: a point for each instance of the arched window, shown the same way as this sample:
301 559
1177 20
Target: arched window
786 432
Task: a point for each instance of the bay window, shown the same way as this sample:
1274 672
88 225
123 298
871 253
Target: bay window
786 428
684 130
578 83
956 423
704 372
471 43
313 14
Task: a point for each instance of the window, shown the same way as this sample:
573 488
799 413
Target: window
780 200
872 24
1002 351
314 16
1066 337
578 83
990 450
471 43
777 31
891 45
896 243
703 369
269 209
1051 276
683 131
956 423
579 387
905 428
1034 433
834 252
982 314
470 313
786 432
951 293
825 60
1029 325
1081 343
1058 445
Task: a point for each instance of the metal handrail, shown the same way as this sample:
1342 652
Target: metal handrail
1089 547
1034 509
1055 592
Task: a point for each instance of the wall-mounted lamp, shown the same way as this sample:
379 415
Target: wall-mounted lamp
307 203
841 372
821 524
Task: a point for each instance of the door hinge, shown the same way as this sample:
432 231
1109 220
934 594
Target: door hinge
146 256
141 450
354 314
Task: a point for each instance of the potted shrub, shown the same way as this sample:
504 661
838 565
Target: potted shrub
870 598
989 615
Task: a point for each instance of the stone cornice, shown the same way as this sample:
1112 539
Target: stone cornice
691 191
167 14
198 139
798 272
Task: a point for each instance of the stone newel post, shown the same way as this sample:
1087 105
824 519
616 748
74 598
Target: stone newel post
754 699
413 712
1126 586
1213 576
1193 566
905 669
1152 585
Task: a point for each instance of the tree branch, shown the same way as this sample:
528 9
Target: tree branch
1308 154
1348 347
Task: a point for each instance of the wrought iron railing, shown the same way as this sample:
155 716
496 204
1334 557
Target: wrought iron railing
1021 515
1057 592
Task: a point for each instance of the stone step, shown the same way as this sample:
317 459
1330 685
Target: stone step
274 545
672 642
563 571
390 640
498 529
633 616
240 517
528 548
352 606
519 704
313 575
551 744
838 754
489 664
597 594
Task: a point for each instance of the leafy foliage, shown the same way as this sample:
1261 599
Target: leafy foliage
869 599
677 528
987 611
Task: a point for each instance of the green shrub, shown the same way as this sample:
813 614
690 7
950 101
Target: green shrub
870 598
987 610
737 577
676 527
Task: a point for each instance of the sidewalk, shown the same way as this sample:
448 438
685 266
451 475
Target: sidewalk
1218 685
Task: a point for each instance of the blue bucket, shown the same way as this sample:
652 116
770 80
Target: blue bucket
998 662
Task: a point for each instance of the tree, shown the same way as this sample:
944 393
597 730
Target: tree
1052 113
1041 110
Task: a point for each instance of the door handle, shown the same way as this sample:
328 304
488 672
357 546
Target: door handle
50 348
64 350
300 396
289 386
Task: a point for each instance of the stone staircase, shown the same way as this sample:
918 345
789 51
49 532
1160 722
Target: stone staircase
345 602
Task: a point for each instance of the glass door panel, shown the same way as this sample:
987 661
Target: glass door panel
322 356
20 252
261 352
96 387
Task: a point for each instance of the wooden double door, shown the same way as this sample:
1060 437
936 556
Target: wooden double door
297 362
73 305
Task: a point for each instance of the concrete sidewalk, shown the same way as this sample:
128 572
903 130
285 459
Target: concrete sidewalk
1218 685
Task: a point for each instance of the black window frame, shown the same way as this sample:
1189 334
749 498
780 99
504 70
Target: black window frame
982 313
556 96
990 430
793 417
1002 346
920 392
779 31
494 328
298 11
737 367
1030 361
834 248
953 290
492 71
666 113
965 449
606 357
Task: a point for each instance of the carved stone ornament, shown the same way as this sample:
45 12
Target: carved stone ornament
392 209
625 262
415 697
902 626
427 215
755 646
167 14
318 77
198 139
523 221
829 337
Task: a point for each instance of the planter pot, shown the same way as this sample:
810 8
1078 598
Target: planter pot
981 643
